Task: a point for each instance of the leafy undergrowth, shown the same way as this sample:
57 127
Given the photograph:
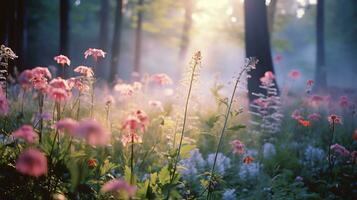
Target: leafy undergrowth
75 138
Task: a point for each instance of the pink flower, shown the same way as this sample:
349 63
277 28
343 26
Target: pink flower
25 79
4 105
32 162
62 60
59 90
78 84
310 83
316 100
41 72
129 137
93 132
342 151
142 116
119 185
161 79
237 146
156 105
59 83
59 94
343 102
267 78
66 125
334 119
314 117
26 133
125 90
85 71
132 123
96 53
296 115
294 74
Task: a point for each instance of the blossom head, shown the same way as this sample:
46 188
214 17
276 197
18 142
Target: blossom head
41 72
296 114
95 53
67 125
310 83
161 79
237 146
268 78
132 123
84 71
59 94
32 162
62 60
26 133
334 119
248 159
305 123
294 74
278 58
343 102
314 117
123 89
25 79
261 103
78 84
119 185
341 150
131 138
93 132
92 163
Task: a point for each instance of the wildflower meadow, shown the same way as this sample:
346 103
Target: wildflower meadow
171 100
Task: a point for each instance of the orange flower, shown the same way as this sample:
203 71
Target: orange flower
248 159
305 123
92 163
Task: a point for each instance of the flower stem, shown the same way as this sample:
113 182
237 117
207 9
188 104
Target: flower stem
209 191
196 63
132 160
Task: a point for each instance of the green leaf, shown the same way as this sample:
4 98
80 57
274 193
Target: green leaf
185 150
237 127
164 175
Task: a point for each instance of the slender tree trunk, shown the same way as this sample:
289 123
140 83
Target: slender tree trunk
4 22
20 34
257 42
64 29
271 15
116 41
138 37
103 35
185 37
320 74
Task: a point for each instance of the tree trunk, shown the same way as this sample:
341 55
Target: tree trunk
64 29
116 41
104 25
103 35
320 74
138 37
257 43
185 37
4 19
271 15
